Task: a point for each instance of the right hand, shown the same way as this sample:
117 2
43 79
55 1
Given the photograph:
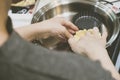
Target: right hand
94 47
91 44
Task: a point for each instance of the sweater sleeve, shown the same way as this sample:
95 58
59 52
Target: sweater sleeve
20 60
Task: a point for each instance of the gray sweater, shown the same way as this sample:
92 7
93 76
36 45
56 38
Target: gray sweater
21 60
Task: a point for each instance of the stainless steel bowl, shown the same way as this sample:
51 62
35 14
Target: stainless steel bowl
70 8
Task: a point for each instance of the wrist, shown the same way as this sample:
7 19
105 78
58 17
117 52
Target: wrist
97 54
41 31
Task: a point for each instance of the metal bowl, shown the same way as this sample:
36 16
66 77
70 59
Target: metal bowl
78 11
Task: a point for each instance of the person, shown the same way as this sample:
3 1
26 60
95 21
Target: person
21 60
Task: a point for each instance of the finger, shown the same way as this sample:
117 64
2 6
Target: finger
96 32
62 38
68 35
104 32
71 31
69 25
96 29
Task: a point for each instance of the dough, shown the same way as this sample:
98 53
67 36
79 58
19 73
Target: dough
80 34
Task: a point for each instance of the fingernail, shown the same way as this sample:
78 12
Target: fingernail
96 28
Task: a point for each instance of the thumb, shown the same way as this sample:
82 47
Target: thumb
68 34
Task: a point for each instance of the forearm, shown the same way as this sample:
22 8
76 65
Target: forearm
32 31
106 62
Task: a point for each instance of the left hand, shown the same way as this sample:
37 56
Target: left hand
57 27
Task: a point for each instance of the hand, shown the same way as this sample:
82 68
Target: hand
91 44
58 27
